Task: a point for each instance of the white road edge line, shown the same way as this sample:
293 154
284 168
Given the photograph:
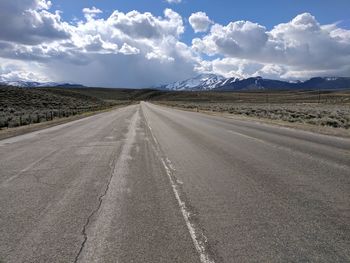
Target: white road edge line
246 136
204 256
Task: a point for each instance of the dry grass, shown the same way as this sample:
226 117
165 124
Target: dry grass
20 106
336 116
16 131
324 119
315 108
261 97
318 109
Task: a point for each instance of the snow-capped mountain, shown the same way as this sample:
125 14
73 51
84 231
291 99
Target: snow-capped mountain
219 83
35 84
201 82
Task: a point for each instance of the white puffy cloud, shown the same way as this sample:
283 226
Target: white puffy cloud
156 55
174 1
287 51
145 25
237 39
200 22
18 71
137 49
129 50
126 49
90 13
231 67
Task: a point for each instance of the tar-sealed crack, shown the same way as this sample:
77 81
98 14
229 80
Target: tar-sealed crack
116 162
83 232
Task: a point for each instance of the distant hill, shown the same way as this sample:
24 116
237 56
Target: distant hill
208 82
35 84
219 83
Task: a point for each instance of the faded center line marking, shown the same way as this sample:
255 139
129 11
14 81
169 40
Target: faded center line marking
198 238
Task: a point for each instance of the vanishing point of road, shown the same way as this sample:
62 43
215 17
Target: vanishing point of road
147 183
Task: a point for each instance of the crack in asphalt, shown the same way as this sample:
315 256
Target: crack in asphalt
100 199
113 164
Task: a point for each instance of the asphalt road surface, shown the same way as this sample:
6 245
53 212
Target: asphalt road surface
147 183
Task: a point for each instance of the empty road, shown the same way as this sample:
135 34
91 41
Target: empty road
147 183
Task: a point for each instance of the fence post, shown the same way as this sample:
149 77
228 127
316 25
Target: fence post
319 96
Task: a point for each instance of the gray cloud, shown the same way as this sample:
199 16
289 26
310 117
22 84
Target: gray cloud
140 50
126 49
30 22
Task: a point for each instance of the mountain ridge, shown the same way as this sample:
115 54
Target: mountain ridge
207 82
200 82
36 84
214 82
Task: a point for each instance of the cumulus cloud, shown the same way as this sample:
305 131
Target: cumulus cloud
125 49
129 50
200 22
138 49
299 46
30 22
147 26
17 71
174 1
90 13
237 39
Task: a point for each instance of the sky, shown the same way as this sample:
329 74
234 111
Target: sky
145 43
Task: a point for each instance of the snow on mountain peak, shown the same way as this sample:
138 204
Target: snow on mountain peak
35 84
211 81
200 82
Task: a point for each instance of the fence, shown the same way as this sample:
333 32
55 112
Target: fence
16 119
